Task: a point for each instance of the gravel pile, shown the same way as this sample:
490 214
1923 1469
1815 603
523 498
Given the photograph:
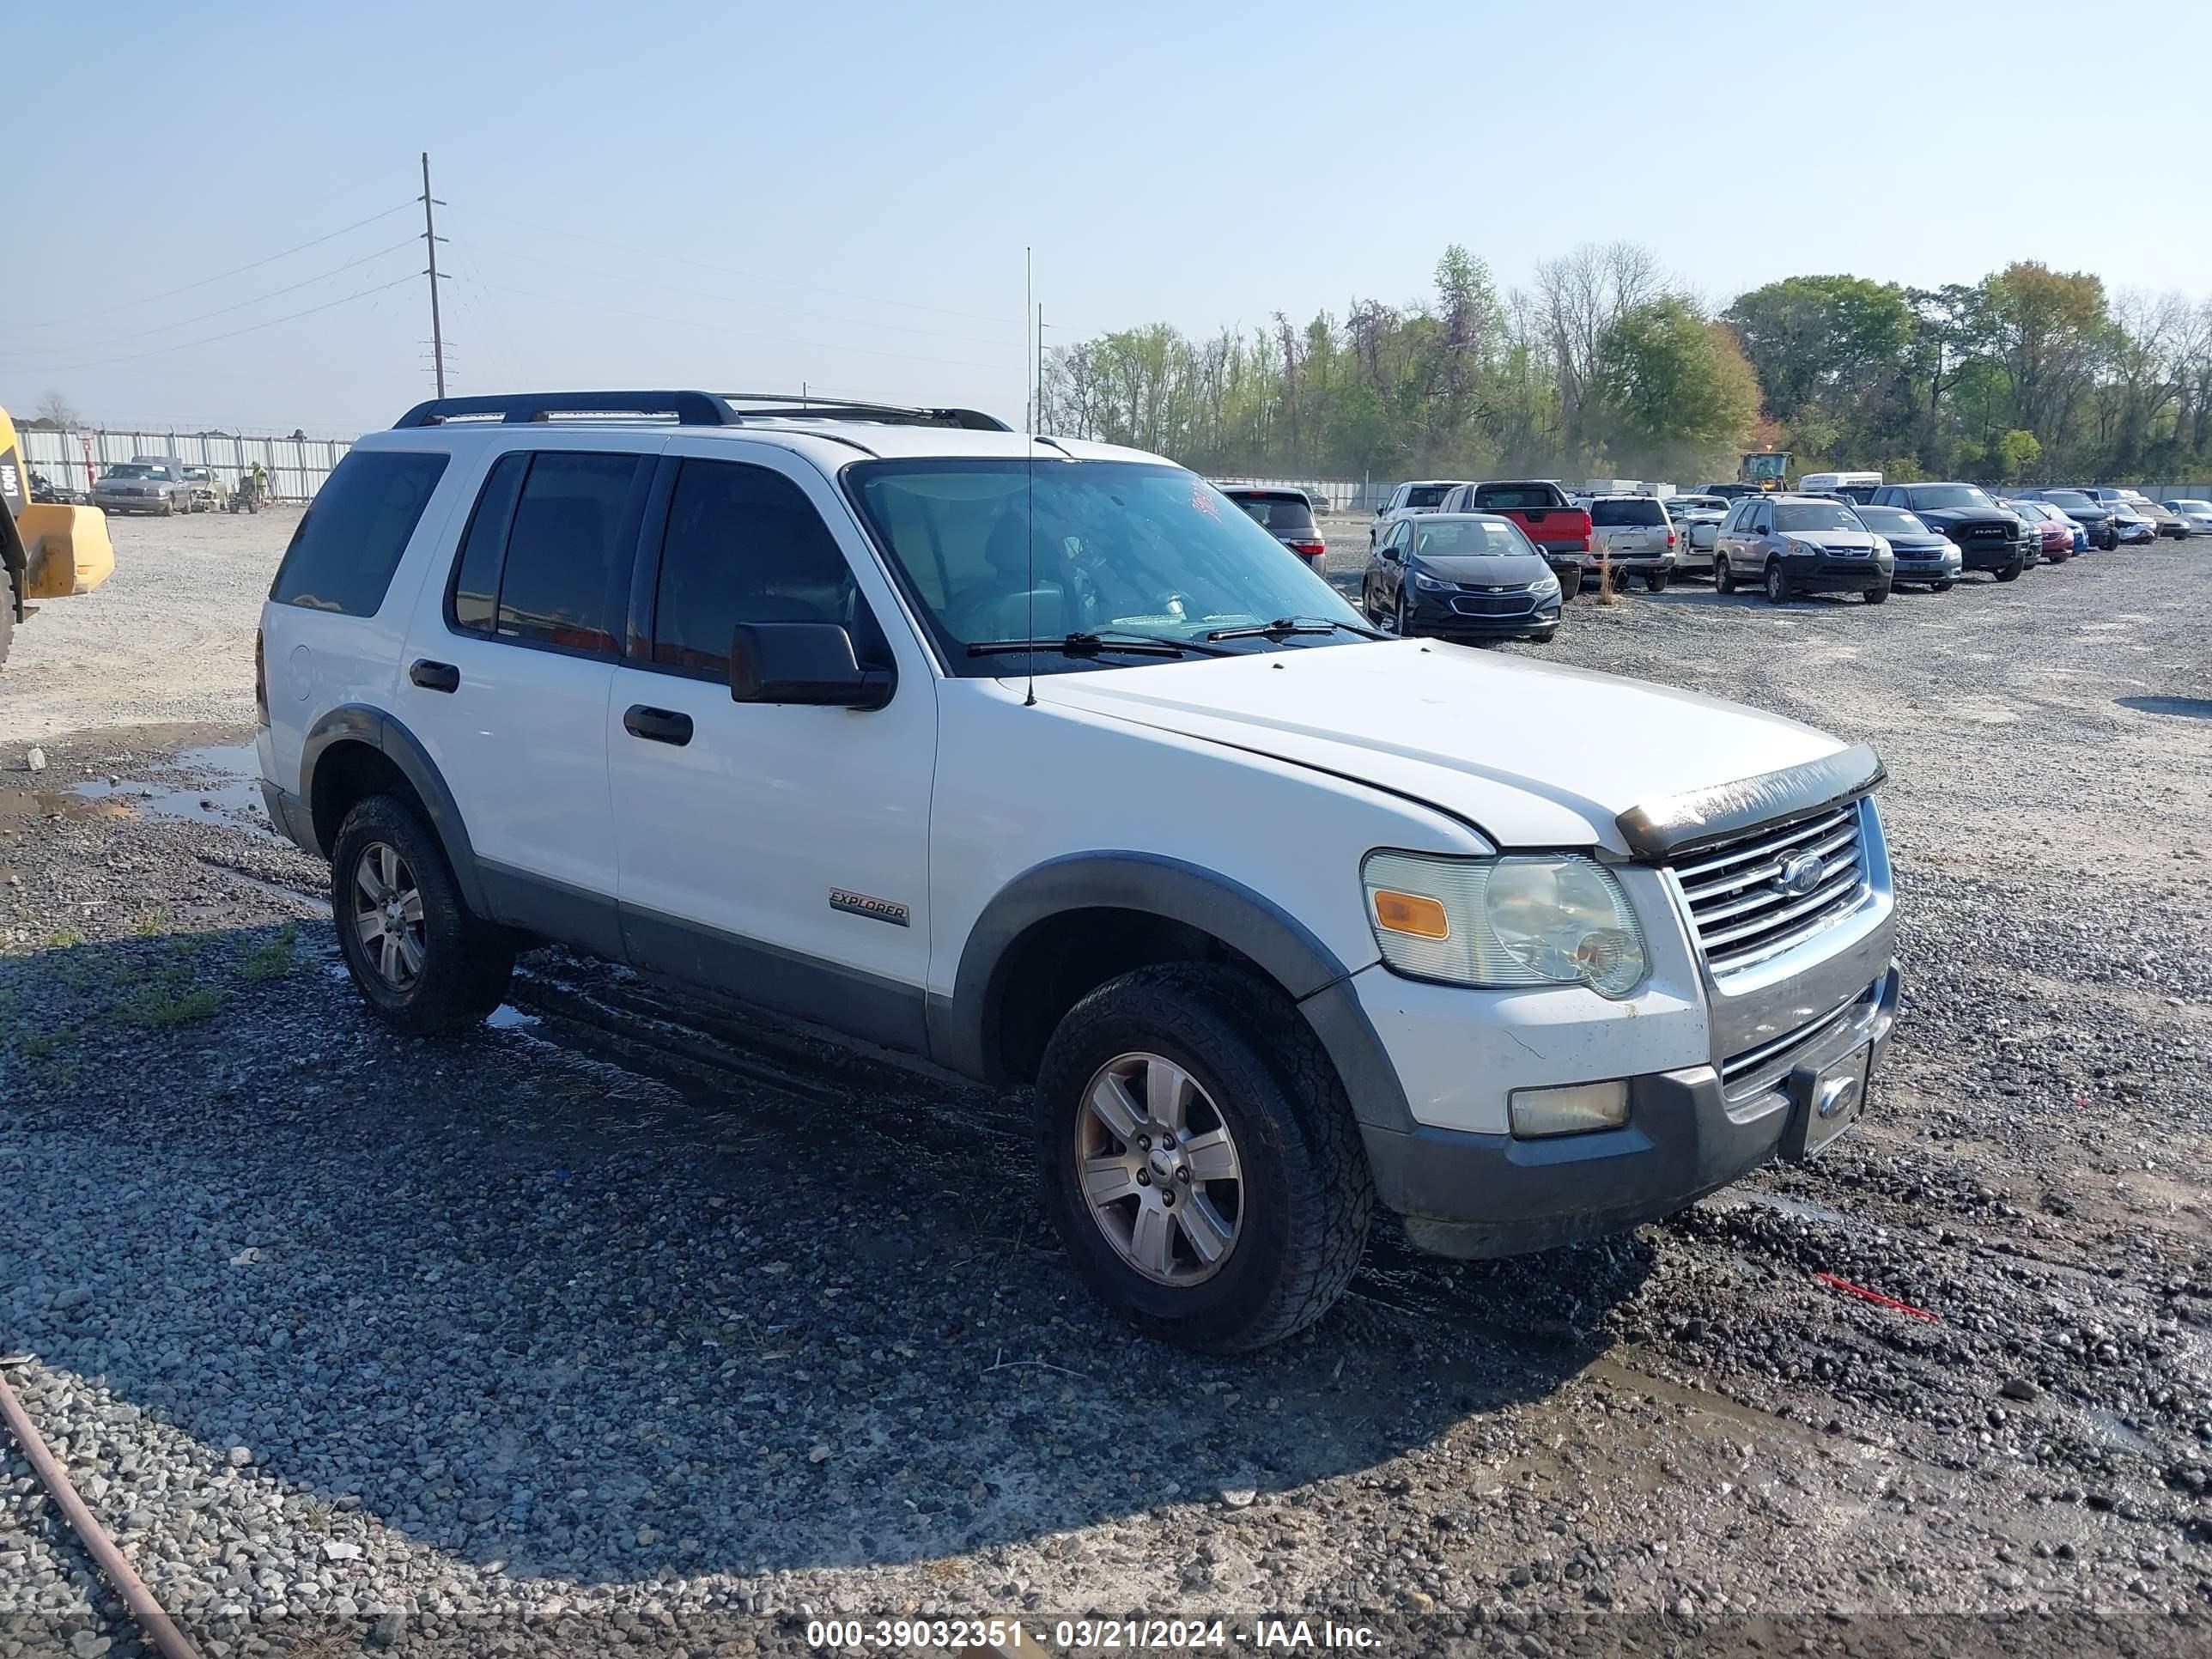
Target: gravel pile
637 1318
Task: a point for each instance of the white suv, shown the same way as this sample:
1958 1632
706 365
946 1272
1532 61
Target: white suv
1040 759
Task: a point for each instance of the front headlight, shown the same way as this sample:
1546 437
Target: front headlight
1544 586
1803 550
1429 584
1553 919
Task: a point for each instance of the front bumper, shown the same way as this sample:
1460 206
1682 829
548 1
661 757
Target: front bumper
1837 576
1688 1134
1434 614
1997 556
1945 565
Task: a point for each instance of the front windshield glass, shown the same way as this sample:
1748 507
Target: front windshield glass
135 470
1468 538
2065 498
1006 550
1938 497
1814 515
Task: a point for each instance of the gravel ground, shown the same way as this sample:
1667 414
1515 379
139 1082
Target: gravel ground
641 1318
169 636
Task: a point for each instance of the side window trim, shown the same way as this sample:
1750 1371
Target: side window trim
645 567
453 624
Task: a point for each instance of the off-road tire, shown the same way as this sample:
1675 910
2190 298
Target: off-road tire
2011 572
1307 1196
467 961
1777 582
7 614
1878 595
1722 581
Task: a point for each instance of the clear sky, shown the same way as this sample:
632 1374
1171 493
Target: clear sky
739 195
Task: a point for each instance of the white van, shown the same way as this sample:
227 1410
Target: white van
1852 486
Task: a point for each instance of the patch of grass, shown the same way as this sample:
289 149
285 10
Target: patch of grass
154 922
273 960
63 938
37 1045
169 1000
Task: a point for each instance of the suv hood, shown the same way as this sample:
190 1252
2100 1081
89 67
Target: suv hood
1530 754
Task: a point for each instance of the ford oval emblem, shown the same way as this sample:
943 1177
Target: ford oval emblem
1801 875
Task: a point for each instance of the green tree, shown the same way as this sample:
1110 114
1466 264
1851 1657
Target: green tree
1679 396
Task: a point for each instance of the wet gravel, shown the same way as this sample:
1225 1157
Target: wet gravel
641 1318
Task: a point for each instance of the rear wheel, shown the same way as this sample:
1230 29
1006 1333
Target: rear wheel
1777 583
1722 582
2058 554
1656 582
1401 621
1199 1157
416 953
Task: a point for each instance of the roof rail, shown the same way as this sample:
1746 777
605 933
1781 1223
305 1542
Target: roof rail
686 409
778 406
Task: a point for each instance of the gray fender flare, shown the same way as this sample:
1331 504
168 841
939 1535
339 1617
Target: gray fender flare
359 723
1256 927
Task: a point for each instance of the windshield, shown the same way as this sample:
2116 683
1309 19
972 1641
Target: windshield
135 470
1465 539
1007 550
1814 515
1891 522
2067 498
1604 514
1517 497
1276 512
1954 496
2190 507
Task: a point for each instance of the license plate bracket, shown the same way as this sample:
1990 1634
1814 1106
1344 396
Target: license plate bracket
1825 1101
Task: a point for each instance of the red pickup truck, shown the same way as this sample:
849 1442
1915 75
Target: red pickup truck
1560 530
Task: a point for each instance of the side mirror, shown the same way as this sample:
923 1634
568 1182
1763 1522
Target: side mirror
807 663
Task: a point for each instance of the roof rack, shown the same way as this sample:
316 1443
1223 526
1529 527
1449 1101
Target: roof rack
686 409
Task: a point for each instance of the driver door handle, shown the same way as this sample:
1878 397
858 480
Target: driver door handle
657 725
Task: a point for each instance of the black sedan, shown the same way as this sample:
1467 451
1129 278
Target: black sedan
1460 576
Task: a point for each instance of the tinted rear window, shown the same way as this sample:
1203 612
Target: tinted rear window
1605 513
567 563
1516 498
1278 512
1427 494
344 551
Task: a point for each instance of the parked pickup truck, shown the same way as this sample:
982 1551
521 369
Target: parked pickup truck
1560 530
977 746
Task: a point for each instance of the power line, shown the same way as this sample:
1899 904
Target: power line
687 322
251 328
206 316
732 271
239 270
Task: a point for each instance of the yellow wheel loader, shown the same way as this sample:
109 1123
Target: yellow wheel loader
46 552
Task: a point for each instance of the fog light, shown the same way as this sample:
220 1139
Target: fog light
1575 1109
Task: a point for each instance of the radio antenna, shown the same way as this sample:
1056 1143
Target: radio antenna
1029 303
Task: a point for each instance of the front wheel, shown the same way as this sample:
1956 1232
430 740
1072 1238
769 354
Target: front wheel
1401 620
1199 1157
1722 582
1878 595
1777 583
2058 556
416 953
1939 587
2011 572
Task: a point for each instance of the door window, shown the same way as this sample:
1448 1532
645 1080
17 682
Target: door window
744 544
566 574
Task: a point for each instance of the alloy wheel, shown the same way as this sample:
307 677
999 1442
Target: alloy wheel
1158 1170
388 916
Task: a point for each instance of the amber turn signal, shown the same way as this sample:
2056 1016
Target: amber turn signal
1411 913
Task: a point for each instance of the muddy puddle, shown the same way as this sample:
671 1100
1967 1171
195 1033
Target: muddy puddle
217 783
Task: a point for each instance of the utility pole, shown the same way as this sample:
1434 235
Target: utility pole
431 239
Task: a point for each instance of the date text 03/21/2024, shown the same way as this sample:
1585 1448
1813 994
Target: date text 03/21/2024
1008 1635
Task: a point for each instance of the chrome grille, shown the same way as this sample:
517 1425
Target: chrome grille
1741 914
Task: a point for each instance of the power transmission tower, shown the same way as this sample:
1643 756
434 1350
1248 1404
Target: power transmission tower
431 239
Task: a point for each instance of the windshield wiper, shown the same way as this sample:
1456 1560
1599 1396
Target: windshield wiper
1090 645
1283 627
